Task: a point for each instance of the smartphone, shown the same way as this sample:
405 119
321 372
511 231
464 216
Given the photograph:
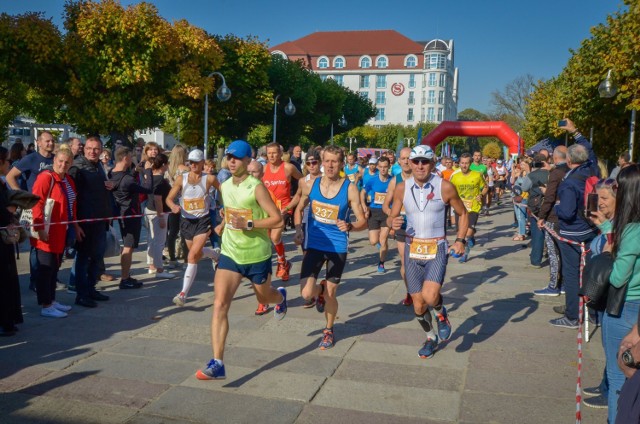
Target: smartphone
592 202
562 123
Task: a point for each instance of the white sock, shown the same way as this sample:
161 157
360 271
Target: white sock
219 360
189 276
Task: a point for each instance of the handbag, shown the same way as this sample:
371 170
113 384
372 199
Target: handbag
112 248
26 217
598 292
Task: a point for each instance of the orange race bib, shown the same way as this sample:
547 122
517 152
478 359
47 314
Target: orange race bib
378 198
229 213
193 205
423 249
325 212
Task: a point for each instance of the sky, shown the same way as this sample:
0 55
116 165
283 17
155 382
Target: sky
495 41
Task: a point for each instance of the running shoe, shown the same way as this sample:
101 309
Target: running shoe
281 308
380 268
130 283
408 300
179 299
547 291
213 371
429 348
262 309
444 326
309 303
471 241
598 402
320 299
564 322
283 269
327 339
61 307
592 391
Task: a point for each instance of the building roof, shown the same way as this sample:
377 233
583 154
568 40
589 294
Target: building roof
351 43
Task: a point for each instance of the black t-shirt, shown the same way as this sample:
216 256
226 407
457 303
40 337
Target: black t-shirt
31 165
161 187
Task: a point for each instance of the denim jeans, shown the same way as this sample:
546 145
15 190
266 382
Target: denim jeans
88 254
33 267
521 216
613 331
537 242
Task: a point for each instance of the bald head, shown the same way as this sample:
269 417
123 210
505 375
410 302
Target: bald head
560 155
256 169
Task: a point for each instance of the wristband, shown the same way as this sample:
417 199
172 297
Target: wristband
461 240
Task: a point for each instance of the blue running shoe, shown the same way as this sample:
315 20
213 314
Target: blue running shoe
471 241
381 268
281 308
327 339
428 349
547 291
213 371
444 326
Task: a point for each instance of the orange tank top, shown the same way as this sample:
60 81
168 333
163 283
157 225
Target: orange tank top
278 185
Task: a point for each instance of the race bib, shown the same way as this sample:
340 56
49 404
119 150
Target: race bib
423 249
378 198
325 212
229 213
352 177
193 205
468 204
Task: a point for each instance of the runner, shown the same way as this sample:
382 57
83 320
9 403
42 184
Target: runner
326 238
471 189
446 174
491 177
246 251
501 180
399 235
277 178
372 197
478 165
195 226
424 197
370 171
352 170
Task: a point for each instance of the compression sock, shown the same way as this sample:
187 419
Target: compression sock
189 276
438 307
425 322
280 252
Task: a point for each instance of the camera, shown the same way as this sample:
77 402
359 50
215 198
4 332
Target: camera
562 123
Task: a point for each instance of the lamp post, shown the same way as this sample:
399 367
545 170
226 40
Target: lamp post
409 140
608 89
223 93
342 122
289 110
352 140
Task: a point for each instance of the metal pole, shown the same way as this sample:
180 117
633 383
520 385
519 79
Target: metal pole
206 125
632 134
275 116
332 133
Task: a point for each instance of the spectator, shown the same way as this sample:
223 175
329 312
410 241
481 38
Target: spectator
623 160
535 183
157 212
17 152
224 174
296 157
31 148
51 243
520 199
106 161
75 145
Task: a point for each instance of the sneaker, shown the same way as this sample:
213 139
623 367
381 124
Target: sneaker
327 339
380 268
96 295
281 308
564 322
282 271
514 225
71 289
429 348
309 303
444 326
532 266
61 307
320 300
560 309
598 402
164 275
213 371
592 391
262 309
130 283
60 285
471 241
562 290
174 265
408 300
547 291
179 299
52 312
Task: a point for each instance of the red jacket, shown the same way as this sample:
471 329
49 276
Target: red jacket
57 233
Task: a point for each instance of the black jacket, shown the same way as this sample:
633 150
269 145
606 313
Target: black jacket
94 200
555 178
126 189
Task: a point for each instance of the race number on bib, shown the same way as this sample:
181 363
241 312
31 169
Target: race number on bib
193 205
325 212
229 213
468 204
352 177
423 249
378 198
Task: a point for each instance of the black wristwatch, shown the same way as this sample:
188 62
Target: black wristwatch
627 359
461 240
249 225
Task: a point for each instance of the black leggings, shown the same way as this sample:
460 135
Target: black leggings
173 234
47 276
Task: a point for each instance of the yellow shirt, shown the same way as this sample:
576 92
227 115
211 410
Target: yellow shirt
469 186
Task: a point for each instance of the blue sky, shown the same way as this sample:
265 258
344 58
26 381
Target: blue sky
495 41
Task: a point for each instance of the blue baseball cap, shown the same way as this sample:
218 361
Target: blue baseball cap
240 149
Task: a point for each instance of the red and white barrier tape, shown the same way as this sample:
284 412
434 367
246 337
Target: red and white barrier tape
140 215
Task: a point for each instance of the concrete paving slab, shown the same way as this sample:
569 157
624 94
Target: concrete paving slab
402 354
14 378
312 414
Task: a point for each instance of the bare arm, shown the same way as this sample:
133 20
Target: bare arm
386 205
212 181
356 207
450 196
292 171
175 190
274 220
394 220
12 178
304 190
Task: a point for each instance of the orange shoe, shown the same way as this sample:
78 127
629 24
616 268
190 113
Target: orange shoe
407 301
262 309
283 269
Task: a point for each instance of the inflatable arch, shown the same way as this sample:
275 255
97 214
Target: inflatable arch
497 129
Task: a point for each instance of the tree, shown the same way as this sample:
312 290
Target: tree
492 150
510 104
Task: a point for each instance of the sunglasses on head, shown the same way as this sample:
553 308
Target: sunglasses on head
420 161
229 156
609 182
311 162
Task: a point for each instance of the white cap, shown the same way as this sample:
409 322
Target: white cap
373 161
196 155
422 152
499 161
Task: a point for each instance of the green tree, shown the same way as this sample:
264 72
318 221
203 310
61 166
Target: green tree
492 150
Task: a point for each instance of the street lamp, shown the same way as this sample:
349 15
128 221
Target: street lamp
351 140
409 140
289 110
223 93
342 122
608 89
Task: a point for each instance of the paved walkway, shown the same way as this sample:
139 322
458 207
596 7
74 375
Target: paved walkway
133 359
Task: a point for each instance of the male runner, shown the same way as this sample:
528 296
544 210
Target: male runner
490 179
424 197
403 160
277 178
331 198
370 171
372 197
246 251
501 179
471 189
479 165
195 223
352 170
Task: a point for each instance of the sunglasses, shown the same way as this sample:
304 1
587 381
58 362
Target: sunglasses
230 156
609 182
420 161
311 162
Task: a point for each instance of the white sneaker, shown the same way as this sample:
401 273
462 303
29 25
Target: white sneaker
61 307
52 312
179 299
164 274
151 271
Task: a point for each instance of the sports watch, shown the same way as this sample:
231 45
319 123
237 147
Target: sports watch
249 225
627 359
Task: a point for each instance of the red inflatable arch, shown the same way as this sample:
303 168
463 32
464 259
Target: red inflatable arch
497 129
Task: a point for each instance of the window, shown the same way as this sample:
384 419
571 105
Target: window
364 81
381 81
364 95
338 62
431 114
412 81
323 63
432 97
436 61
381 62
432 80
323 77
424 97
410 114
443 80
340 79
440 97
380 114
411 61
422 115
440 113
412 99
365 62
380 98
